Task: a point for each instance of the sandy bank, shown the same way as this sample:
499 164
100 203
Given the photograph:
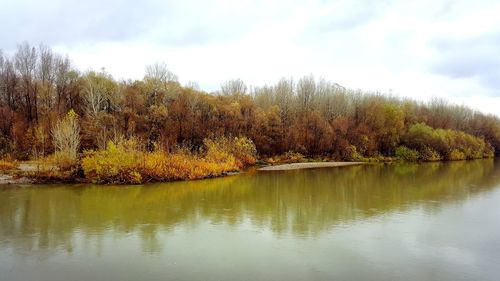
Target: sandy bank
16 176
309 165
8 179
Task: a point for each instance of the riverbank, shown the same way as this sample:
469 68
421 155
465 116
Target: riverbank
36 173
20 176
9 179
308 165
21 173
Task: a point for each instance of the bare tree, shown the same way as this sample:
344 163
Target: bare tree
306 90
97 92
26 63
66 138
284 93
234 87
159 78
331 99
62 80
8 83
46 76
46 64
159 71
263 96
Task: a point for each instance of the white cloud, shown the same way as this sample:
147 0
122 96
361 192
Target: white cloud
420 49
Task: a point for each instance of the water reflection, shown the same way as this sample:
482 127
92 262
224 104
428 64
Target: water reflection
300 204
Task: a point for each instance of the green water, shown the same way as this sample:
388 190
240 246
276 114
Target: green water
434 221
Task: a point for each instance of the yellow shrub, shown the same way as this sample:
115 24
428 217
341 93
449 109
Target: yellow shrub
456 155
242 149
160 166
124 163
118 163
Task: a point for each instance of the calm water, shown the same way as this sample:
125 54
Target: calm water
435 221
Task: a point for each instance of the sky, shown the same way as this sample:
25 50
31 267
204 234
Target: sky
420 49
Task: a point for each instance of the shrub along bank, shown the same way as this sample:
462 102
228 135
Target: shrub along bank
125 163
423 143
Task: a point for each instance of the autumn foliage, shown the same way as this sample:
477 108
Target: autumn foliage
124 162
176 126
437 144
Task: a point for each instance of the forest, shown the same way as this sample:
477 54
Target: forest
154 129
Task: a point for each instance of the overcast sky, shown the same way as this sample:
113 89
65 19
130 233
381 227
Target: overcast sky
420 49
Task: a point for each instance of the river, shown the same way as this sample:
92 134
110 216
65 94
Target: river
431 221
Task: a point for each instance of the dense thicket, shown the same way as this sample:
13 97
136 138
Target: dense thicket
313 117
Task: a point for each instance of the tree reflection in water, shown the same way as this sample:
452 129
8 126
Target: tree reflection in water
302 203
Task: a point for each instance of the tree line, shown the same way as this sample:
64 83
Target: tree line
310 116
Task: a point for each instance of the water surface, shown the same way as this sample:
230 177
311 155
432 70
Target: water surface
433 221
